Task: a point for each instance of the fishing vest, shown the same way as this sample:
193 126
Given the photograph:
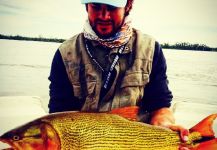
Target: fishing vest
86 77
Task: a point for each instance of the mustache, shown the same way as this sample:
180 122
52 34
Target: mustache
99 21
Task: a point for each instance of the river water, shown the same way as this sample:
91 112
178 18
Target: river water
25 67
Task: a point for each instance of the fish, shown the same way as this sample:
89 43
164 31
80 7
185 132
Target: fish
117 130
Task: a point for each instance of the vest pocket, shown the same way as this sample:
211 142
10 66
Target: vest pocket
85 89
131 89
135 79
91 86
77 90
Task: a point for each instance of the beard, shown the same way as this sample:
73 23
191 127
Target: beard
105 29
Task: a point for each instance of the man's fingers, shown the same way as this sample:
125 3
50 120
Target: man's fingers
184 135
183 132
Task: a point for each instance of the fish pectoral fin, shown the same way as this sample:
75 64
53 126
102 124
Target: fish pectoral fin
129 113
204 127
208 145
50 137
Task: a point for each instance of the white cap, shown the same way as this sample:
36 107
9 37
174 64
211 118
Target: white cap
116 3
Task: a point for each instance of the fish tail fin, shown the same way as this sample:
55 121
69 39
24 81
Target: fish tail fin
208 145
129 113
204 127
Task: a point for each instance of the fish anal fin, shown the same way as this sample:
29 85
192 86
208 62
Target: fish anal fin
204 127
129 113
208 145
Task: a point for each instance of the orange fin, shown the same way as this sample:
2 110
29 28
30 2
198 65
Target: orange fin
208 145
204 127
127 112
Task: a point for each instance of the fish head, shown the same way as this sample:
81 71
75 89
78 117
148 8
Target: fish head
32 136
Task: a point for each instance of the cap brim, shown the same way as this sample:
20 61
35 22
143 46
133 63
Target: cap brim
115 3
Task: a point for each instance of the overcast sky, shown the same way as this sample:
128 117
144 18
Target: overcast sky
171 21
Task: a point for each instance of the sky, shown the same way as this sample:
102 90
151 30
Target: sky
169 21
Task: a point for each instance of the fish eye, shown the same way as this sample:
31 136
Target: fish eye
16 137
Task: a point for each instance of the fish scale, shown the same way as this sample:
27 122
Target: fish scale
100 131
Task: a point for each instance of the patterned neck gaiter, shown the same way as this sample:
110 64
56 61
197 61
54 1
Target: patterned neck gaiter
119 39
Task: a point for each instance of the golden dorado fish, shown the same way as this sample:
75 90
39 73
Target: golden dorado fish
104 131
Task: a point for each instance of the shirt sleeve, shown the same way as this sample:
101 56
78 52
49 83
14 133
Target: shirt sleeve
156 92
61 91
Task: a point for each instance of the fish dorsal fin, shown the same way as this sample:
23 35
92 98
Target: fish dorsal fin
204 127
129 113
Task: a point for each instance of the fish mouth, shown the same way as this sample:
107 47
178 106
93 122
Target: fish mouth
8 149
7 145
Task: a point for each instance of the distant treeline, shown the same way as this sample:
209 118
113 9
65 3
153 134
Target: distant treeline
188 46
181 46
42 39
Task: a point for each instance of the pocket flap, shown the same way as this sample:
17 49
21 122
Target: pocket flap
135 79
80 91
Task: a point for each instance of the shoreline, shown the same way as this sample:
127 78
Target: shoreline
178 45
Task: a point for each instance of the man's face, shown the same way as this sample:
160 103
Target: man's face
105 20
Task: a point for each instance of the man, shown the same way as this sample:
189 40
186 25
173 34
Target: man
112 65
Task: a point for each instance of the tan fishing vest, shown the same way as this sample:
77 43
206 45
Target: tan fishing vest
86 77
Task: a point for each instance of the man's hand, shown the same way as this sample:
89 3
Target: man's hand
164 117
